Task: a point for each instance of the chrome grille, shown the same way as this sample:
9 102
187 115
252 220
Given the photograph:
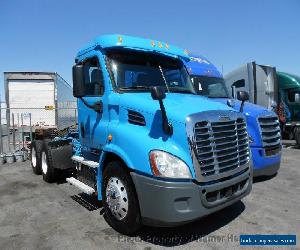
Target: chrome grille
221 146
270 131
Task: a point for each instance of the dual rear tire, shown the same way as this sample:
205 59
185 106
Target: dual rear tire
41 160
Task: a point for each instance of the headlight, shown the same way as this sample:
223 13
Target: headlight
166 165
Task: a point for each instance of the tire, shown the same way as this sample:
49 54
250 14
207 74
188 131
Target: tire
115 177
36 156
48 171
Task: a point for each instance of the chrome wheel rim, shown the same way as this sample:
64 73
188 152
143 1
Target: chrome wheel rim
117 198
33 157
44 163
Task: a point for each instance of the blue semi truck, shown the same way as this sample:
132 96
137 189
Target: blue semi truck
262 125
151 149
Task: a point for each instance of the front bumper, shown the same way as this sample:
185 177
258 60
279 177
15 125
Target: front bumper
264 165
266 170
171 203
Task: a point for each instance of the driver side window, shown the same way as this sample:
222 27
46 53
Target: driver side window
94 85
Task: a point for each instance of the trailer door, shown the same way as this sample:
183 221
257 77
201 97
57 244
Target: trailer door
35 97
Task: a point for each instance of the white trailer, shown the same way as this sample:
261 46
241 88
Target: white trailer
43 100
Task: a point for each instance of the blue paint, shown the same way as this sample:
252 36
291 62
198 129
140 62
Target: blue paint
201 66
130 142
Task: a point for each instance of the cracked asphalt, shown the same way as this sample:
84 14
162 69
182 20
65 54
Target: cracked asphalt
38 215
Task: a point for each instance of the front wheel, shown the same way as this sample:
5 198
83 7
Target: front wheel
121 207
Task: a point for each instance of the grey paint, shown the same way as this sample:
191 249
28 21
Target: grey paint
180 202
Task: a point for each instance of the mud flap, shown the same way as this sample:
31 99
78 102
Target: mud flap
61 155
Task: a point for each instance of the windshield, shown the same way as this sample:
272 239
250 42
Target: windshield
138 71
212 87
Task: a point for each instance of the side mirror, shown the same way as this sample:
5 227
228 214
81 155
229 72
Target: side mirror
242 96
78 81
297 97
158 93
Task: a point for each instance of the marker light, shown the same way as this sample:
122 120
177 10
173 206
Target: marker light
120 40
166 165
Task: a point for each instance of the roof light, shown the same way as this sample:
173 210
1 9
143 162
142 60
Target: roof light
152 43
160 44
167 46
186 52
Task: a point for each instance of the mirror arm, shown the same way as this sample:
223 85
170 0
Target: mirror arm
166 126
242 106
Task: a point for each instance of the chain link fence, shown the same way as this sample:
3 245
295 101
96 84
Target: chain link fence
19 126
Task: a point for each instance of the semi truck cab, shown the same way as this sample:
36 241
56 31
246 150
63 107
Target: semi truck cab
289 104
262 124
151 149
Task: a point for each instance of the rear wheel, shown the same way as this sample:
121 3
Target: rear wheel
48 170
36 154
120 200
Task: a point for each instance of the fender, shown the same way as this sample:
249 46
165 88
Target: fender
110 148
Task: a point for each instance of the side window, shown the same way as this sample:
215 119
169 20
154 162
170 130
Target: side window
239 83
291 95
94 85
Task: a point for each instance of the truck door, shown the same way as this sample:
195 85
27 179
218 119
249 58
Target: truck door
266 86
92 123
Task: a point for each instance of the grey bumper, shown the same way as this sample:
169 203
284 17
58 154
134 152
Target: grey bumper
170 203
267 171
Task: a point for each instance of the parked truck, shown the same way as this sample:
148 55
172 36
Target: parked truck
262 124
278 92
150 149
289 104
44 101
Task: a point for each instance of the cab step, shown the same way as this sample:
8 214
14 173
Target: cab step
83 187
84 161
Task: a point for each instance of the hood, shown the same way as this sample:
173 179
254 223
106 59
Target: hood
178 106
250 109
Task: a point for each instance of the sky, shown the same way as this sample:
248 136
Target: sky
45 35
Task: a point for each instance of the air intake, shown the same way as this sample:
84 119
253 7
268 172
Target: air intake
136 118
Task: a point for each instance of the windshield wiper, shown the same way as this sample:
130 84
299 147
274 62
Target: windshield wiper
164 78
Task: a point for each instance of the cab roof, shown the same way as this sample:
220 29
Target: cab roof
137 43
201 66
288 81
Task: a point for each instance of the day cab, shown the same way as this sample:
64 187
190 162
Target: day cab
262 124
151 149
